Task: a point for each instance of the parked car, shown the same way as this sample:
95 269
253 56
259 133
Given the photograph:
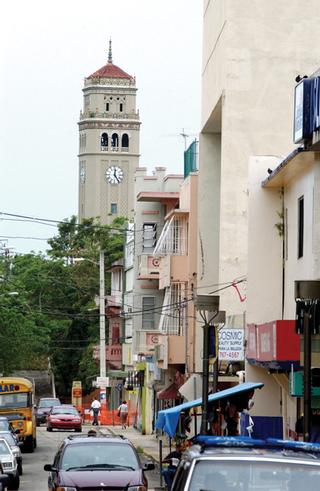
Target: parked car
97 462
4 479
6 425
43 408
9 464
14 443
232 463
64 417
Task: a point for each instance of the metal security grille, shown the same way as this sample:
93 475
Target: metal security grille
174 310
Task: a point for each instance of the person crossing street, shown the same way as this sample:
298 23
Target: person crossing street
95 408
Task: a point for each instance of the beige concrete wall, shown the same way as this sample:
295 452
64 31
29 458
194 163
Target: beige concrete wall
252 52
264 285
304 268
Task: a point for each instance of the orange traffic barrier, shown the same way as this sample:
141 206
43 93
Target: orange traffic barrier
107 417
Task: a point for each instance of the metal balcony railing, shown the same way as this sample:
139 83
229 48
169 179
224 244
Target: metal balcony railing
173 239
107 115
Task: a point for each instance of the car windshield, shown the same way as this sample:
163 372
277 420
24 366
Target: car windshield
4 448
99 455
49 403
65 410
252 476
4 425
9 438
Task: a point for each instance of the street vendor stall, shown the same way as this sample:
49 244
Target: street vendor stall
168 419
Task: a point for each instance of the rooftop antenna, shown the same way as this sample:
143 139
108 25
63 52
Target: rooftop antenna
184 136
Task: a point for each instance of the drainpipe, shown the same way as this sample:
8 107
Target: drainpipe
283 253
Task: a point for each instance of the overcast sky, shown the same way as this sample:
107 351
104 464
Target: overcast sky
47 48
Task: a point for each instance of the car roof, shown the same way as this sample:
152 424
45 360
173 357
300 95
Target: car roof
4 418
246 447
68 406
75 439
49 399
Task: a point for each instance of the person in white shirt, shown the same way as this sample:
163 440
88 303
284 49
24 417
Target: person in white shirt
95 407
123 413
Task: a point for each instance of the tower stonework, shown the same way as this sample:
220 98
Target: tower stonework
109 132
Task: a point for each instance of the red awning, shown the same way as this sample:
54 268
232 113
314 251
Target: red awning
171 392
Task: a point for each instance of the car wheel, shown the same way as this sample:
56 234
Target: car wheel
34 443
78 430
14 483
49 428
20 470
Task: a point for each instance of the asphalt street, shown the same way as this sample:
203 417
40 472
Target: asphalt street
34 478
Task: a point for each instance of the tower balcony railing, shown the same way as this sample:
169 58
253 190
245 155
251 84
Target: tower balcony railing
109 81
108 115
106 148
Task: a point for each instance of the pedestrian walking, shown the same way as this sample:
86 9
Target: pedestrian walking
95 408
123 413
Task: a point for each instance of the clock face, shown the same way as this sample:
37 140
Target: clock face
82 175
114 175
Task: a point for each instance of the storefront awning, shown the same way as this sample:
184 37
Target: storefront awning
168 419
170 393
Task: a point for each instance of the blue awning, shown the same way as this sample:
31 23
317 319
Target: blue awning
168 419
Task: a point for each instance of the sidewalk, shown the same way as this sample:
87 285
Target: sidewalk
148 443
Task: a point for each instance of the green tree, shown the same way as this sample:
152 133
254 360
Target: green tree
54 313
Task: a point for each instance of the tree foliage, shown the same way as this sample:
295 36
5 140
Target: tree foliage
47 307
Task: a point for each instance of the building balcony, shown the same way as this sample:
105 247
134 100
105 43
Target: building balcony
108 115
149 267
173 269
113 352
145 342
273 345
114 300
170 351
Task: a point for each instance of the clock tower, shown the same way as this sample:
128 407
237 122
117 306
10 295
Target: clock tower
109 132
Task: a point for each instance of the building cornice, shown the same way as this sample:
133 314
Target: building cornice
111 154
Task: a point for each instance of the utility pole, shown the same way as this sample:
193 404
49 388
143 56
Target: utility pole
102 317
208 307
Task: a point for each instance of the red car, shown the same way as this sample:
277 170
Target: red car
64 417
102 462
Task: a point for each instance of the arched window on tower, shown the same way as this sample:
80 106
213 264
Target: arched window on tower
125 143
114 142
104 141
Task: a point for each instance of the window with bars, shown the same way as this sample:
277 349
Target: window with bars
149 236
148 317
173 315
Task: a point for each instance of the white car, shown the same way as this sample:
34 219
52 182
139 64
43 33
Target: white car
9 464
15 447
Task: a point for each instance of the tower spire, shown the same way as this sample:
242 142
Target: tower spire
110 51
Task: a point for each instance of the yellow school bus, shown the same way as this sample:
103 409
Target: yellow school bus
16 403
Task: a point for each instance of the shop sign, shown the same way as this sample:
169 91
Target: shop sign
306 109
231 344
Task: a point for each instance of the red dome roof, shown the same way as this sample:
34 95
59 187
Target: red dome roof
110 71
